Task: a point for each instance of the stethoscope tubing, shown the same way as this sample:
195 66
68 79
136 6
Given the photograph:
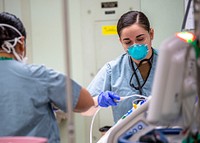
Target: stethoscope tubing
150 60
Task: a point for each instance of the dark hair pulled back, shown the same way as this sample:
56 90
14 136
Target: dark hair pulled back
130 18
7 33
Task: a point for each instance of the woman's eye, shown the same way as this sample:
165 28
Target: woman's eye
127 43
140 39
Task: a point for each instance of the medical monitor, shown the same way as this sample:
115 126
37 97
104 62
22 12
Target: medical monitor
167 90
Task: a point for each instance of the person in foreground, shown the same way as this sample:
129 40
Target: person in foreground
132 72
28 91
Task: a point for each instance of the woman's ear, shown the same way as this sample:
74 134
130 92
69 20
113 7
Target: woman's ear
151 33
21 47
22 39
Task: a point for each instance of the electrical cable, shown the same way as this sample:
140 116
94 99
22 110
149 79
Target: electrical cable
186 15
91 125
121 99
134 95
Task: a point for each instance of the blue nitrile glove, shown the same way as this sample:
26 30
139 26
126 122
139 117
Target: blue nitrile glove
107 98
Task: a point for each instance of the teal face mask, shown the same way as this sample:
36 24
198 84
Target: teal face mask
138 51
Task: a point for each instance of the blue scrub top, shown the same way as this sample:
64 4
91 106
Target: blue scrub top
115 76
27 92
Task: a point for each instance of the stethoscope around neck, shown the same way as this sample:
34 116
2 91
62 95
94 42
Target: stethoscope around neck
139 87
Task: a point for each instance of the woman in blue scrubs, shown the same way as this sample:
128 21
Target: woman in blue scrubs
130 73
28 91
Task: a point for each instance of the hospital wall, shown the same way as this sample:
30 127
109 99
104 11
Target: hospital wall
43 20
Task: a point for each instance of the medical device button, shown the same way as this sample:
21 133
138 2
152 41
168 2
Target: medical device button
135 106
123 116
130 111
134 130
140 127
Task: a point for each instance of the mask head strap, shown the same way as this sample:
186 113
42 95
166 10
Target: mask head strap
7 46
10 26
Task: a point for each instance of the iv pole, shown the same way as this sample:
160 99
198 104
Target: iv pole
70 119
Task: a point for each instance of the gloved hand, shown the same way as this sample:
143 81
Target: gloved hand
107 98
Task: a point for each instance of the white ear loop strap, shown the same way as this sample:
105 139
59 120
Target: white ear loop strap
8 47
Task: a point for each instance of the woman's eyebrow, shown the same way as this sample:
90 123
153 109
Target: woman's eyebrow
126 39
139 35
